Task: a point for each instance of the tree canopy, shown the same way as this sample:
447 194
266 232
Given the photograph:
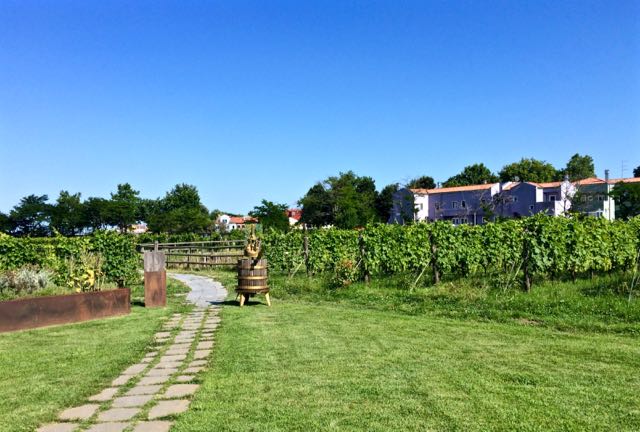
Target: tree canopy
472 175
579 167
423 182
627 198
68 215
529 170
384 201
30 217
180 211
123 207
346 200
271 215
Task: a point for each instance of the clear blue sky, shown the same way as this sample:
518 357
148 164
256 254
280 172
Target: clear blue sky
211 93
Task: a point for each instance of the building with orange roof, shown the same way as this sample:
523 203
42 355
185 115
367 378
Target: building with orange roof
477 204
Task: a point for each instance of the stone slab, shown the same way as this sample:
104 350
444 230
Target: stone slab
104 395
153 380
82 412
144 389
135 369
161 372
180 390
153 426
131 401
168 365
57 427
193 370
121 380
118 414
184 378
201 354
168 408
108 427
177 351
197 363
163 335
180 346
204 345
173 358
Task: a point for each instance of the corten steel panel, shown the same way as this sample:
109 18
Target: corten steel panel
155 288
63 309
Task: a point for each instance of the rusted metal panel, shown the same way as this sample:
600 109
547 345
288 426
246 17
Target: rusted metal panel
35 312
155 288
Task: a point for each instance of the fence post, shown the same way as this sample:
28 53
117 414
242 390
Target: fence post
367 277
155 279
306 250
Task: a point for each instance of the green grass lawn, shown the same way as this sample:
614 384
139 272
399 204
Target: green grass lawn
310 364
43 371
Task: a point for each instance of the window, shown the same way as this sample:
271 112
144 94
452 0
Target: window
437 206
590 198
454 204
463 204
515 199
600 197
552 197
531 207
456 221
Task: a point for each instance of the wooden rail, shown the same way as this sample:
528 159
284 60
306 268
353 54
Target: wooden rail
201 253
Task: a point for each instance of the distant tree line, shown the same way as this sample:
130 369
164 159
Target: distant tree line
349 201
345 201
179 211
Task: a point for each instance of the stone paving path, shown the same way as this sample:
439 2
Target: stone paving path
149 394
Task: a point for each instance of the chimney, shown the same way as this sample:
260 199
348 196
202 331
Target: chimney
606 175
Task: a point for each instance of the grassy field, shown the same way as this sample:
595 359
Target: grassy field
362 360
43 371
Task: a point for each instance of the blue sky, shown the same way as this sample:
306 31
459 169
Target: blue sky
154 93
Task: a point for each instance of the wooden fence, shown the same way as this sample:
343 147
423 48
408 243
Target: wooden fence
200 253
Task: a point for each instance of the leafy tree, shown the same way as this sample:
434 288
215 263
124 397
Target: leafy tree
384 201
354 199
472 175
346 200
31 217
530 170
579 167
68 214
424 182
123 208
6 224
627 198
636 171
180 211
271 215
96 213
146 208
317 206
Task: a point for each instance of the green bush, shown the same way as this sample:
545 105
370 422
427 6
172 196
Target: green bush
120 260
535 247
